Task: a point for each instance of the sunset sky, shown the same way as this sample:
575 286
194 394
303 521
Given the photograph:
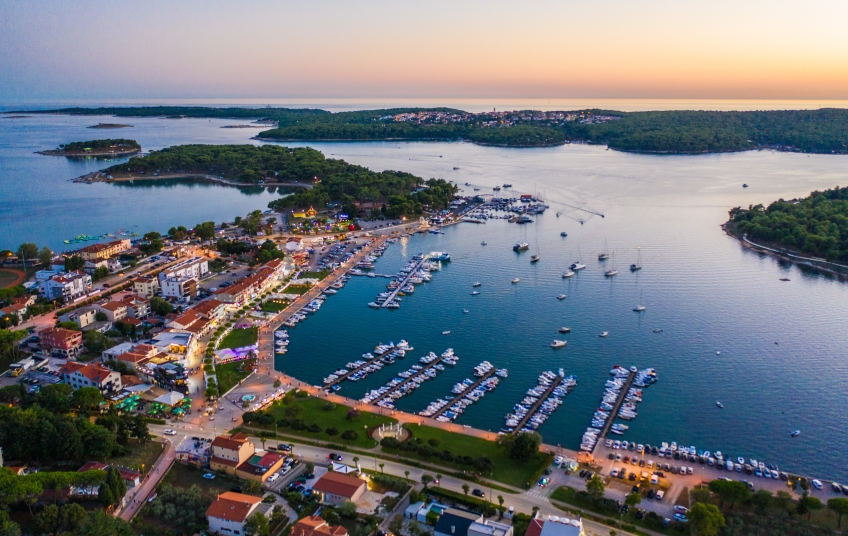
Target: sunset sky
741 49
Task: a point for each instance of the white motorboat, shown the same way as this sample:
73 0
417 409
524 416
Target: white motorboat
447 332
483 243
639 308
577 266
561 297
557 344
611 273
516 280
604 333
565 330
719 404
476 284
566 275
475 292
795 433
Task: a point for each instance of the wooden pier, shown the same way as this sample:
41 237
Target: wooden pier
403 283
617 406
407 380
351 372
538 404
458 397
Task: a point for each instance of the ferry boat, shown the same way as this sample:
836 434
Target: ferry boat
557 344
566 275
522 246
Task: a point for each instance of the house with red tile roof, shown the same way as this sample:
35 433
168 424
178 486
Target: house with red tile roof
61 342
260 467
114 311
336 488
316 526
230 451
230 510
132 478
79 375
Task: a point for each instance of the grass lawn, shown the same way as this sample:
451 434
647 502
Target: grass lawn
229 375
140 453
273 306
186 476
239 338
313 411
296 289
315 275
508 471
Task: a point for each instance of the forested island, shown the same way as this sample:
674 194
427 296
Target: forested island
814 226
665 132
330 181
109 147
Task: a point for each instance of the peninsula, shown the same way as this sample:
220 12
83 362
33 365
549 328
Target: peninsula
322 181
815 227
105 148
660 132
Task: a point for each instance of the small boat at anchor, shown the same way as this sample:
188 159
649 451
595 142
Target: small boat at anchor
534 258
516 280
719 404
566 275
558 344
565 330
447 332
639 308
561 297
604 333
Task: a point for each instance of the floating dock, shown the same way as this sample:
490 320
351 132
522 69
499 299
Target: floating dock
554 384
471 387
406 381
621 396
403 283
351 372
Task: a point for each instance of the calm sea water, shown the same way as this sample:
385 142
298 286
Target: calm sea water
701 288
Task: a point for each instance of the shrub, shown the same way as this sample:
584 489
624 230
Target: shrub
426 451
314 428
332 431
329 406
282 422
301 394
433 442
446 455
350 435
352 414
389 443
298 424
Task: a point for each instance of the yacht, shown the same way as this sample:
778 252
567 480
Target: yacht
719 404
577 266
483 243
561 297
475 292
639 308
744 186
563 233
516 280
534 258
523 246
507 186
524 218
476 284
611 273
446 332
465 311
795 433
604 333
604 256
566 275
565 330
638 264
496 188
557 344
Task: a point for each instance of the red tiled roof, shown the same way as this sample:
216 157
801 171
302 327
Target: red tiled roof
113 305
232 506
535 527
338 484
60 333
207 307
92 466
222 461
95 373
233 442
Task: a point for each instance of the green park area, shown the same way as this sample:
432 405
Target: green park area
462 453
318 419
239 338
273 306
296 289
229 374
315 275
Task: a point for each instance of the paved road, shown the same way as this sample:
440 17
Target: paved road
140 494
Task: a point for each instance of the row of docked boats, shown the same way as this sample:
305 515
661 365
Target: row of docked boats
415 272
613 394
367 263
468 392
539 402
409 380
383 354
281 341
313 306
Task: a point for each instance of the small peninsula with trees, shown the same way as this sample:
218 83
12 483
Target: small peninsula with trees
324 181
108 147
661 132
814 226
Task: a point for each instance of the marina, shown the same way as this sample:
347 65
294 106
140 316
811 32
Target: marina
540 402
411 379
415 272
384 354
467 392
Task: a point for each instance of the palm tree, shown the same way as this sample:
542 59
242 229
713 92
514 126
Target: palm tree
501 501
406 474
466 488
381 467
356 460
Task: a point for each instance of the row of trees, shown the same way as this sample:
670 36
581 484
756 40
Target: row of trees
816 225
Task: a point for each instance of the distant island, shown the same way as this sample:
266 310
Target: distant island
110 125
669 132
815 226
323 181
110 147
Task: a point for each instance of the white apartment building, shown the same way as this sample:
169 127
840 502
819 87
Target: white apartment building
68 286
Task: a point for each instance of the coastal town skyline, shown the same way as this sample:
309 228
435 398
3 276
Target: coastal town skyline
723 50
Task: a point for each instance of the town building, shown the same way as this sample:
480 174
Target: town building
241 292
104 251
181 280
316 526
67 286
114 311
230 511
79 375
112 265
456 522
83 317
230 451
137 306
16 310
335 488
556 526
131 478
146 286
60 342
211 309
259 468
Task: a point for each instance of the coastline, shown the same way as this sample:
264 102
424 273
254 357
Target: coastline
406 140
84 154
840 271
99 176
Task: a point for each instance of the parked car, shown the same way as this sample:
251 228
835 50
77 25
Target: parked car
209 476
168 431
659 496
479 493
